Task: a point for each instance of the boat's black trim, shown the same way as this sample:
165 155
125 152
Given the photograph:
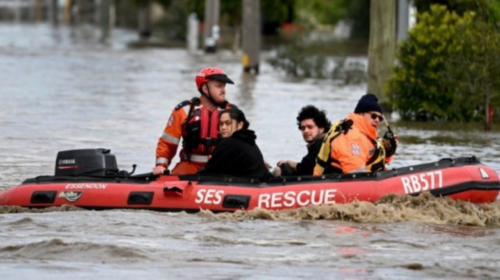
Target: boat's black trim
463 187
138 198
137 179
43 197
236 201
294 180
276 181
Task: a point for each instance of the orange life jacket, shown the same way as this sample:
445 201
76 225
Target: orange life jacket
354 150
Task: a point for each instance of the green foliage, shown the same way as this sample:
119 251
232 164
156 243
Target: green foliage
176 20
328 12
322 11
458 6
277 10
488 10
308 12
231 10
474 72
494 10
359 14
164 3
413 87
443 72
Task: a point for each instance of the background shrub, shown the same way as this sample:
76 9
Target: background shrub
447 68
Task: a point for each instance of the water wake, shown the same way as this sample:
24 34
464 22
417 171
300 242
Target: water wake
391 208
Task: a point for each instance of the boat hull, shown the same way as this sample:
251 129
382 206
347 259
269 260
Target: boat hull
468 181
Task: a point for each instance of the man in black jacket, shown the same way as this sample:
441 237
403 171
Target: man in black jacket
313 123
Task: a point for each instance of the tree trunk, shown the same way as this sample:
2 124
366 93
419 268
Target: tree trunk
144 21
211 32
488 112
237 37
251 35
54 12
37 11
105 18
382 47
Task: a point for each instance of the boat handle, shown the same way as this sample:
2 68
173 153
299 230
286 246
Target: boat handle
173 190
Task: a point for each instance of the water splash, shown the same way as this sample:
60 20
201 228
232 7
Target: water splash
390 209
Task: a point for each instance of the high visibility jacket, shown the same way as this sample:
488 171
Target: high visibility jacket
199 129
358 150
323 158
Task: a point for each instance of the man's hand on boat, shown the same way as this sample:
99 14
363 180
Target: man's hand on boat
292 163
160 170
276 171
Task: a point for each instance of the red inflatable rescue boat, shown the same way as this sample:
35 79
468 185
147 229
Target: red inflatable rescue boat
90 179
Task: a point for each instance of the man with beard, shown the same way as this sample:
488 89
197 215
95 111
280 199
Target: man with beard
197 122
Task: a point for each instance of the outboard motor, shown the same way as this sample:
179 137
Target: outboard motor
91 162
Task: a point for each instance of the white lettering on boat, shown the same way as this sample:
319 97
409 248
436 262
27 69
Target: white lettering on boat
422 182
209 196
67 161
291 198
96 186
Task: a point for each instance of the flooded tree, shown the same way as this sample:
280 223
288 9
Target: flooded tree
382 46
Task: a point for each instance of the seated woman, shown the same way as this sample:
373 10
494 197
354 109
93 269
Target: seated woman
237 154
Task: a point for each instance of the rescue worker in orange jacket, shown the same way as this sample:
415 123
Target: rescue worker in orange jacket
358 149
196 121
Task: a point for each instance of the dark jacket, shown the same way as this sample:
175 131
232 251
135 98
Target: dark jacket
238 156
306 166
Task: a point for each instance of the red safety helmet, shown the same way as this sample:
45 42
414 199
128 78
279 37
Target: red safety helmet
211 73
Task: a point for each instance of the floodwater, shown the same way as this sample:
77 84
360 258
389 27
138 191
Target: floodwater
61 89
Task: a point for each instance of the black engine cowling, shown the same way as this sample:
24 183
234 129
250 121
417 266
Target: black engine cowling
93 162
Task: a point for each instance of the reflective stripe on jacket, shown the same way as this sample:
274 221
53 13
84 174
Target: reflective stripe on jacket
173 132
358 150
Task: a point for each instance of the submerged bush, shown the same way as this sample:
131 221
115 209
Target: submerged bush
296 60
414 89
474 72
442 72
350 72
302 60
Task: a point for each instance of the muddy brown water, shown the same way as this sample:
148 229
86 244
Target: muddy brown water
61 89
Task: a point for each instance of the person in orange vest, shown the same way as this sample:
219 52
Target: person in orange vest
196 121
358 149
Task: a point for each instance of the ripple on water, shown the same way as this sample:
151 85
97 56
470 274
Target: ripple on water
57 249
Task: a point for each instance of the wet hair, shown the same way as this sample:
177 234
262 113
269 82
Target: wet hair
237 115
311 112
